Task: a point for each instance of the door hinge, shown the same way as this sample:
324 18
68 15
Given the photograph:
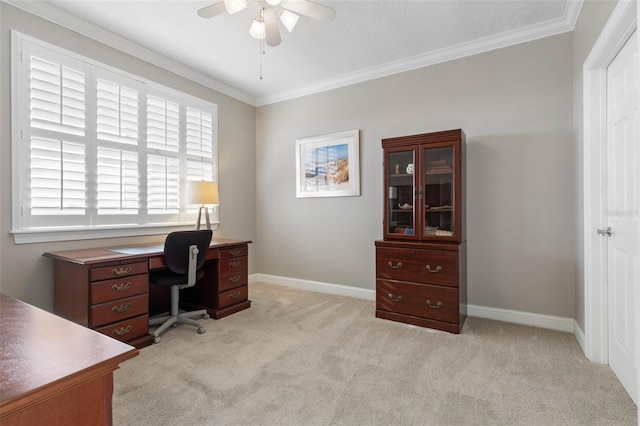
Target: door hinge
608 232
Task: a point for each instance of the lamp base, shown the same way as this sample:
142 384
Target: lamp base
206 216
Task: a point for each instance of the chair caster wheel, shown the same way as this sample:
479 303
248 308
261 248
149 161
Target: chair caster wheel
201 330
157 340
206 316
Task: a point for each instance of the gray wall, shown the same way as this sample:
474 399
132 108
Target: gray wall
593 17
515 105
24 273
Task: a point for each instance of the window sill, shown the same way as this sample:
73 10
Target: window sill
46 235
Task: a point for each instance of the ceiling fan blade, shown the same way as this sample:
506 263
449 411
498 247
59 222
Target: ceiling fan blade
271 28
212 10
310 10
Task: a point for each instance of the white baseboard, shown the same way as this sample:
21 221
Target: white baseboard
524 318
506 315
577 331
320 287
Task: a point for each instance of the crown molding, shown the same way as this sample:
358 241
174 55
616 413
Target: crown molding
534 32
73 23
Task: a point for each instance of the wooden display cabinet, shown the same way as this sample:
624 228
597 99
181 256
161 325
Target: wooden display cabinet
421 263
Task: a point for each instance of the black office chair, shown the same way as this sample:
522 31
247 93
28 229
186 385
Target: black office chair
184 254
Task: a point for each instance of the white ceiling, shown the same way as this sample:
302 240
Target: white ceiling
368 38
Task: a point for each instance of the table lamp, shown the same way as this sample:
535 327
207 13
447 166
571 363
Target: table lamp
203 193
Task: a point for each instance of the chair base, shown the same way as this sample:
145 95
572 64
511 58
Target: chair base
175 317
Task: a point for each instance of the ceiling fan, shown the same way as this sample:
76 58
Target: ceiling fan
265 25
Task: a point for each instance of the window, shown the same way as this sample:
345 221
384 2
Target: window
98 152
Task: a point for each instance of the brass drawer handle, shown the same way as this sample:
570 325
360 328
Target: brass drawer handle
234 279
121 308
396 266
234 264
235 295
431 305
438 269
121 271
395 299
235 252
122 331
122 286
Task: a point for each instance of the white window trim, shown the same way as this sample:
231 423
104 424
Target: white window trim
50 234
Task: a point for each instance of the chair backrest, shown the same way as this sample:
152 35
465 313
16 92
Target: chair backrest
176 249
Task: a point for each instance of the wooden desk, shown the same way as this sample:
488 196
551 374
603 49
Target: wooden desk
53 371
107 289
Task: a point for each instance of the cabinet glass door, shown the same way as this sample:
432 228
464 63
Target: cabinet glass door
439 208
401 192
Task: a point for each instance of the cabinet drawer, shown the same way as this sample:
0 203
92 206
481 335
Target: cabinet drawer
233 265
233 296
119 310
426 301
104 291
233 252
127 330
118 271
424 266
238 279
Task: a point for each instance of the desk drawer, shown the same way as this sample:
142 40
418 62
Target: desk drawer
104 291
233 252
118 271
233 296
128 329
233 265
227 282
420 300
119 310
425 266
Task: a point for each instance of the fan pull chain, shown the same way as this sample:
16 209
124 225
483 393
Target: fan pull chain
262 52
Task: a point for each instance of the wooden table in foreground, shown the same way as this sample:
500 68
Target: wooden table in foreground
107 288
54 372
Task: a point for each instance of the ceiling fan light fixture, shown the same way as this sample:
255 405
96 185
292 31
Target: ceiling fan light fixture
235 6
257 29
273 2
289 19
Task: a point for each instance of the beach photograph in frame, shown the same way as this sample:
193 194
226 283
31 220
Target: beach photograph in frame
328 165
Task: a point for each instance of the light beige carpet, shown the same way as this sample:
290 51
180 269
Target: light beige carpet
305 358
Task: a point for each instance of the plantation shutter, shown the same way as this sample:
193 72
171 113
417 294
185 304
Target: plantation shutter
56 137
163 139
118 174
199 138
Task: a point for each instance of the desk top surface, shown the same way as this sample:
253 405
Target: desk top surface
104 254
40 351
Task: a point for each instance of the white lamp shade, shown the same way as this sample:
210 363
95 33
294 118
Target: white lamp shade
235 6
202 192
258 30
289 19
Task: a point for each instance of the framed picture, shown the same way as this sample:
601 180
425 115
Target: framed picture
328 165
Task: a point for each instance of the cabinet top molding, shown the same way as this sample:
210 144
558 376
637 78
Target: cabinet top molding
443 136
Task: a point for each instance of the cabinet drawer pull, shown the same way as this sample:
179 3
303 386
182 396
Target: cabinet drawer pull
396 266
395 299
234 279
121 308
235 295
234 264
438 269
122 286
122 331
431 305
235 252
121 271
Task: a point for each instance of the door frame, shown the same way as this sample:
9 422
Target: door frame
621 24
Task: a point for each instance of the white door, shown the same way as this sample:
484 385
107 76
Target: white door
623 206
